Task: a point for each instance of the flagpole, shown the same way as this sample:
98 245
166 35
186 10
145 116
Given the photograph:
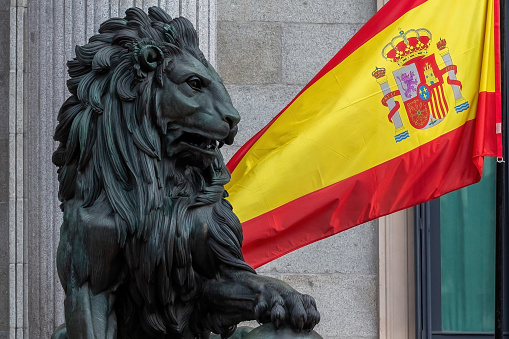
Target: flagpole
501 194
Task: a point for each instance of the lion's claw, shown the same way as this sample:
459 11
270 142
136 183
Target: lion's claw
260 309
313 316
277 315
299 317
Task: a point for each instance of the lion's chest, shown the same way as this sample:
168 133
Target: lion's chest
167 268
169 261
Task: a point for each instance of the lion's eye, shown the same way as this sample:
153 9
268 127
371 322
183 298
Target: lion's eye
195 83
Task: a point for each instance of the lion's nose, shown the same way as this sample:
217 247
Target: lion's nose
231 116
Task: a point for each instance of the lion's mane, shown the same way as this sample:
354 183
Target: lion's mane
111 136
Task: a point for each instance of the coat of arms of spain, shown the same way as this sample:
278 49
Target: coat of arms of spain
420 82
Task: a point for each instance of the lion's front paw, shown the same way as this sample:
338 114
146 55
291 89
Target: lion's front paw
298 310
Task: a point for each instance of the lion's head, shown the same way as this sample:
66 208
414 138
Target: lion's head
146 117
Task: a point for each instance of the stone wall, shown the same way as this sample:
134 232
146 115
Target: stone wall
267 51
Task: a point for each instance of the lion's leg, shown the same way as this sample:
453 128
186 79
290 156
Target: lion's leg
89 266
89 316
242 295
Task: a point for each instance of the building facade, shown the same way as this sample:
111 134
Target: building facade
266 51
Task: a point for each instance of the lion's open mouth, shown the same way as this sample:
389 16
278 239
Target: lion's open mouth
199 142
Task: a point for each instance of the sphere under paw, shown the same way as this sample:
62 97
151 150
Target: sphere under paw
269 331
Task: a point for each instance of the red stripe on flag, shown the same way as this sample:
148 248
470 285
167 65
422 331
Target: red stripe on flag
486 143
440 98
444 102
435 99
362 197
433 104
430 106
389 13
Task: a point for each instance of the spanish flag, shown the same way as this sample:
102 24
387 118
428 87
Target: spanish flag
404 113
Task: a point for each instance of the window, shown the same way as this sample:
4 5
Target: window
455 262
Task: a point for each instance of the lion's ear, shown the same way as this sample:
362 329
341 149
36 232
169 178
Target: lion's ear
150 57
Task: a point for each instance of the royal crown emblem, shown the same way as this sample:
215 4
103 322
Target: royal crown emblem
420 82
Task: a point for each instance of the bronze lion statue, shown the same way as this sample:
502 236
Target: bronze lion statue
149 247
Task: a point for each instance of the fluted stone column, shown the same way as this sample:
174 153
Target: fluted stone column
51 30
17 230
